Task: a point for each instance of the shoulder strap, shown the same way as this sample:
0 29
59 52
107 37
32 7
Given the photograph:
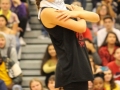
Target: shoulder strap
8 52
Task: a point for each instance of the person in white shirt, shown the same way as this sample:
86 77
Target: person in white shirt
109 26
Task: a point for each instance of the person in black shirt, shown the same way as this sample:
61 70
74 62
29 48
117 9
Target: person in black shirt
73 69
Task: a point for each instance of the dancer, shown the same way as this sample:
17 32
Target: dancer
73 69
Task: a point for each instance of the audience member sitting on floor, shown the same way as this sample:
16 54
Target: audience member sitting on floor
115 65
92 51
49 62
20 9
107 50
109 26
2 85
98 82
36 84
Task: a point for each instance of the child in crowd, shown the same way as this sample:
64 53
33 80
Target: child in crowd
51 83
98 82
35 84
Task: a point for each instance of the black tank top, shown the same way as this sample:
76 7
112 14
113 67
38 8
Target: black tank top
73 61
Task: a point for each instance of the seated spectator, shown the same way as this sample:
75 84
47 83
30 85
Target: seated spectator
36 84
107 50
2 85
10 33
110 4
93 65
49 62
11 72
51 83
98 82
12 18
102 11
5 45
109 81
115 65
20 9
109 26
92 51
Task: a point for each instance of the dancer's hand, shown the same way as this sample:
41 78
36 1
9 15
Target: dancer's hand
65 14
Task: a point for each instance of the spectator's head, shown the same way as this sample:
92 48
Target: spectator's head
102 10
49 54
108 77
117 54
3 21
5 5
98 82
77 3
35 84
108 22
2 41
111 39
51 83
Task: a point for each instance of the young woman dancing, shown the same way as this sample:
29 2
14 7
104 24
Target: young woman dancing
73 69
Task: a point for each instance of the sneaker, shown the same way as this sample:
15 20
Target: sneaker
28 28
22 42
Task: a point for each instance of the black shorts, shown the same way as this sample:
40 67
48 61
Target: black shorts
77 86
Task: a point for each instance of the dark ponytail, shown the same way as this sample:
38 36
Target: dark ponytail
38 3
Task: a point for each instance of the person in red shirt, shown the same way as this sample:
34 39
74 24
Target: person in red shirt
115 65
87 34
107 50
